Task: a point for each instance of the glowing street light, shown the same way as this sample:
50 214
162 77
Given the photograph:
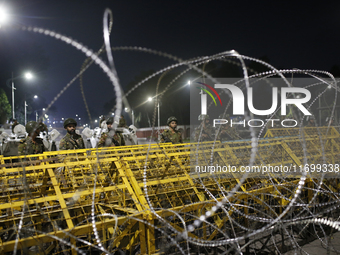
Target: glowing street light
28 76
25 104
3 15
189 82
150 99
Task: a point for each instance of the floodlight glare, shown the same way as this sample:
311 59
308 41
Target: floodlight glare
28 76
3 15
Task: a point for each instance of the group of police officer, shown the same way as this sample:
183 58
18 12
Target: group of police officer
32 144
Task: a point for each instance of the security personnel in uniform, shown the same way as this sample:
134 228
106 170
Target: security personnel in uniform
171 135
71 140
311 121
32 144
204 132
110 138
226 131
329 121
122 122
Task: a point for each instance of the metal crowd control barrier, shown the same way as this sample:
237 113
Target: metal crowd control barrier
142 198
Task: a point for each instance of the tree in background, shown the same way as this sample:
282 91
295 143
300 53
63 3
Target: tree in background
5 107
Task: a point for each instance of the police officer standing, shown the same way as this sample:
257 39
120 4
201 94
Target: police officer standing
71 140
204 132
329 121
110 138
122 122
171 135
227 132
32 144
311 121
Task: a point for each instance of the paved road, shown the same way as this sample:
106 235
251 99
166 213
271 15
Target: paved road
318 248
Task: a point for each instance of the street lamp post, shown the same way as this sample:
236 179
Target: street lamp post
133 117
324 91
25 113
159 123
42 114
13 114
28 76
132 114
25 103
159 119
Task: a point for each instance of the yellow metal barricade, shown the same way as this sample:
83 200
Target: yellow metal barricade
143 198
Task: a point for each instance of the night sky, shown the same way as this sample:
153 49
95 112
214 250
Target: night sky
303 35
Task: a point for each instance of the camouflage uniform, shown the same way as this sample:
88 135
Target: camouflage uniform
69 143
207 130
310 124
27 146
122 122
168 136
228 133
114 141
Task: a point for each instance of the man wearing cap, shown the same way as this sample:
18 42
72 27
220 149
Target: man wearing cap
71 140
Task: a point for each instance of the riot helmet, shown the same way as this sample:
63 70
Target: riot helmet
31 126
203 117
69 121
109 120
170 119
